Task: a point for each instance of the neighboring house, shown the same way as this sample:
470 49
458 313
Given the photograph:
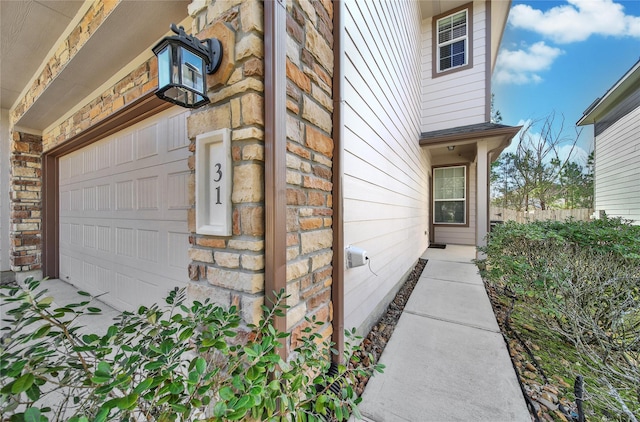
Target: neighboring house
616 124
361 123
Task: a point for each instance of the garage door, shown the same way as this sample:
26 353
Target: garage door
123 213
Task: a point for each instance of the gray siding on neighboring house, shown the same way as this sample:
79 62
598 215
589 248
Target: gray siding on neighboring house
626 106
617 164
457 98
386 173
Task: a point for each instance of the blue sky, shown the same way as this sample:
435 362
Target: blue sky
559 56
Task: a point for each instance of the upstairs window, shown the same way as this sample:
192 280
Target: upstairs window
450 195
452 40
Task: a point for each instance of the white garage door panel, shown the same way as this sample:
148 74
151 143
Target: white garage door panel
123 213
136 194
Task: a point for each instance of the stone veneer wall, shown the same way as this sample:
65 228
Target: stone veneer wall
25 183
309 69
26 149
142 81
230 270
227 270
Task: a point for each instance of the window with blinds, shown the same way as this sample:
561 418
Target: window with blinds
452 41
450 195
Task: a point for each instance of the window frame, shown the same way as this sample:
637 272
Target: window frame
465 200
435 50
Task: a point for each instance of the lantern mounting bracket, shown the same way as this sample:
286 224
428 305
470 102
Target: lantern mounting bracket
210 49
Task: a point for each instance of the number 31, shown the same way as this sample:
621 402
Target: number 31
216 178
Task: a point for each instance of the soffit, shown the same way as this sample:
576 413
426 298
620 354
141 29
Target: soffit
430 8
28 31
130 30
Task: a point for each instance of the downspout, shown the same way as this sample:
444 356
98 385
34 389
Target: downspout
275 277
337 285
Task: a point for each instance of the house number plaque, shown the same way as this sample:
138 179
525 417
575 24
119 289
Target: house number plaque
213 183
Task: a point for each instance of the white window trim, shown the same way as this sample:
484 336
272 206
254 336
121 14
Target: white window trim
464 199
465 38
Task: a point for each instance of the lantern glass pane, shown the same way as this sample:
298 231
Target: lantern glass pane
192 71
183 96
164 67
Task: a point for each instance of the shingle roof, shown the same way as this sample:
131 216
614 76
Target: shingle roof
476 131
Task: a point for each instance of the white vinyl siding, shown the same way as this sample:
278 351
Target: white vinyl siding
123 213
617 168
450 234
454 98
386 173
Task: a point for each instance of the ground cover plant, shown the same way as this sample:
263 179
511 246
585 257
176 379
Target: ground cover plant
178 362
579 282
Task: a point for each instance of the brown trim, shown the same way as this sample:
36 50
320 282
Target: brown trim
337 284
466 200
487 63
140 109
275 157
50 217
432 233
434 42
509 132
137 111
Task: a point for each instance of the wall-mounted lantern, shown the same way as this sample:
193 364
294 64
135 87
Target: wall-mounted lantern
183 63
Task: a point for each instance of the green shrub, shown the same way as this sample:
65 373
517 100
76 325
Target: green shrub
585 276
169 363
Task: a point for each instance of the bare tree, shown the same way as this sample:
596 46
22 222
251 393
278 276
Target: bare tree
532 174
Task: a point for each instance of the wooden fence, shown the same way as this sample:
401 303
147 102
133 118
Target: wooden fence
504 214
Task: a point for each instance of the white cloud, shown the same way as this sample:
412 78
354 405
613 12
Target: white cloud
577 20
521 67
573 153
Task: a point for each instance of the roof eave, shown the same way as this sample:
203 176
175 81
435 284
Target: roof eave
507 133
629 82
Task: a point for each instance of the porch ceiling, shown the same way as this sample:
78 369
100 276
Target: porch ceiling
127 32
28 30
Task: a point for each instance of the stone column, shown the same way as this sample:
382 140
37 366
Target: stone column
26 205
309 69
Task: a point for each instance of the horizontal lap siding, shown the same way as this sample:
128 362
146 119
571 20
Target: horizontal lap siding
617 168
385 184
458 98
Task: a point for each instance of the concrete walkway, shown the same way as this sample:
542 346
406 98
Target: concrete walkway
446 360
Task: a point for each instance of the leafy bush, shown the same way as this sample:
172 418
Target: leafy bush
169 363
586 277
